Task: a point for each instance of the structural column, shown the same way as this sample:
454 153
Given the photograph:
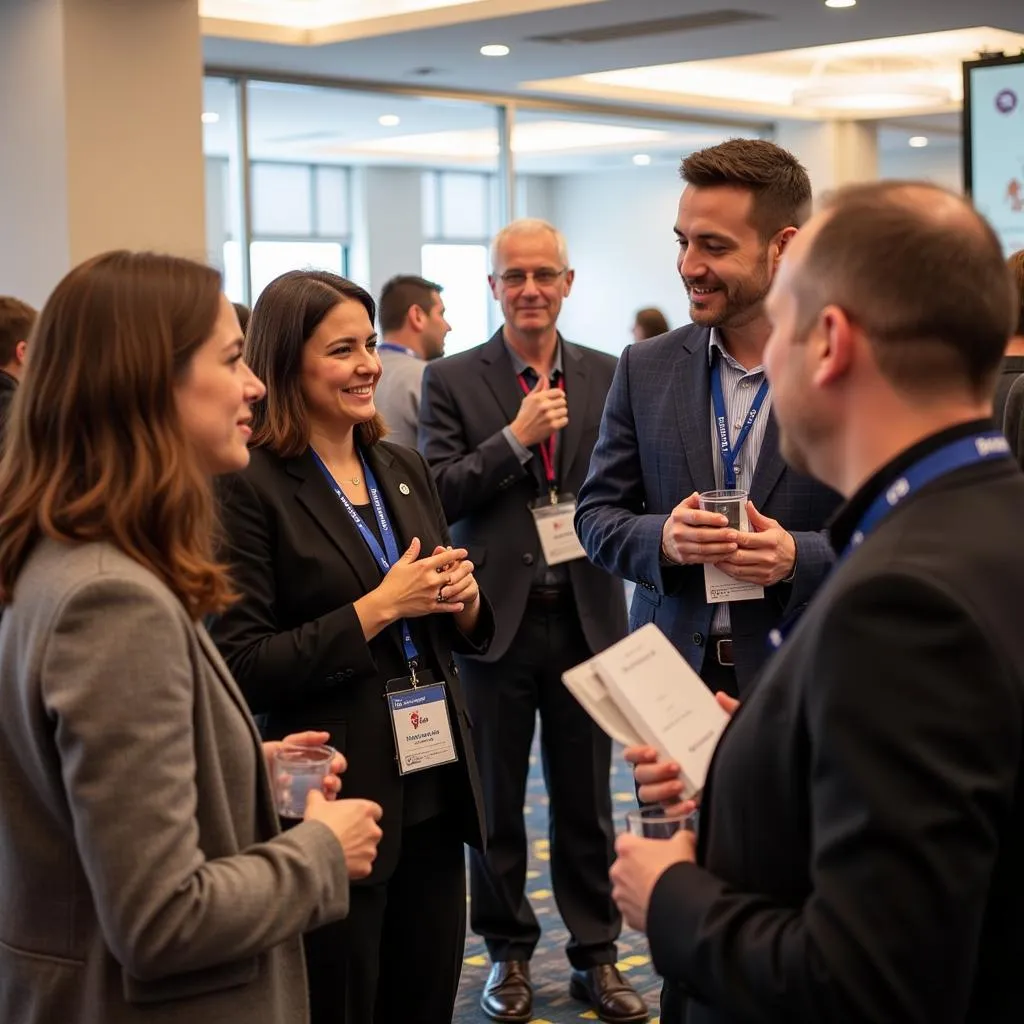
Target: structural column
835 153
100 134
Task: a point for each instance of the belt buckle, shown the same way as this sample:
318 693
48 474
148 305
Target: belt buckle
723 652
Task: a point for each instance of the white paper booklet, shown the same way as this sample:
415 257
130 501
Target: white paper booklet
586 686
662 700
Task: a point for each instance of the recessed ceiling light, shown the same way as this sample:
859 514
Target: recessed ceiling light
495 50
209 117
641 159
840 3
918 141
389 120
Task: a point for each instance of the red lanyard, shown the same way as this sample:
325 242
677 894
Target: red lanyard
547 448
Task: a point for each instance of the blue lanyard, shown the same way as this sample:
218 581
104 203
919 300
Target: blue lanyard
389 555
968 451
730 452
390 346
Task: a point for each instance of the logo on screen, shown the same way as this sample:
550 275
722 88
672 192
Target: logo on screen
1006 101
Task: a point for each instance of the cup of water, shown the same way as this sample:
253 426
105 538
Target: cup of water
655 823
731 504
297 771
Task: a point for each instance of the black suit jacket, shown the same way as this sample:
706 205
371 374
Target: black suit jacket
655 450
294 642
862 834
486 491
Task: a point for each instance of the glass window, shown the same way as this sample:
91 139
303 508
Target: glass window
331 190
601 177
271 259
282 201
431 198
461 270
222 152
465 205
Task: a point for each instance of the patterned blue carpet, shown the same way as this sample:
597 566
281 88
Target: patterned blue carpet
549 968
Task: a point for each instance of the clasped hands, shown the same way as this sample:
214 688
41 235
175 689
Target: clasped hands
443 581
641 862
764 556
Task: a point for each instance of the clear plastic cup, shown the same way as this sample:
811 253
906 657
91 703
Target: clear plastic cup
731 504
654 823
297 771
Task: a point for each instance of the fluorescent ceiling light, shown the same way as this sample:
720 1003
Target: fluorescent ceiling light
876 93
389 120
840 3
495 50
528 138
313 14
642 159
918 141
209 117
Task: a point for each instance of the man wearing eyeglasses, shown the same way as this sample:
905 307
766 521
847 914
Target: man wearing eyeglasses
508 429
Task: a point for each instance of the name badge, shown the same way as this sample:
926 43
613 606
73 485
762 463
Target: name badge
554 521
720 587
422 728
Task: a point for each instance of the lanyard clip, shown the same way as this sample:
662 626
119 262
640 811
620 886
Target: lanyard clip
413 678
553 495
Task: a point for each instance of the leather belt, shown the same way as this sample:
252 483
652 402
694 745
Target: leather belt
723 651
549 597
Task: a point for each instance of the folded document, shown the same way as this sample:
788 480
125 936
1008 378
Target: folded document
642 692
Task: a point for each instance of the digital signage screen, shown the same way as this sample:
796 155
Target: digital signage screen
994 144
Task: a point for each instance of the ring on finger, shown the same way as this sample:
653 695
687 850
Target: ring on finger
440 595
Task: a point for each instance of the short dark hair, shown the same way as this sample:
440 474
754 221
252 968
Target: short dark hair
1016 265
923 275
17 319
651 321
776 179
285 317
399 295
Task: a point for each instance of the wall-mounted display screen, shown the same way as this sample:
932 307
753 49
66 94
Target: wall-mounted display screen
994 143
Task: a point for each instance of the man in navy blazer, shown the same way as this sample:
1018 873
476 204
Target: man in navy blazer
638 515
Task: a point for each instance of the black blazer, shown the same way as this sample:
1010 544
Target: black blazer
862 834
486 491
294 642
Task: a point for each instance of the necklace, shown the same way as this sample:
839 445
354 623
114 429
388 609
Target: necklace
353 480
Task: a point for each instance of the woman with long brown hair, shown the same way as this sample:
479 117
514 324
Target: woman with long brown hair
352 603
143 876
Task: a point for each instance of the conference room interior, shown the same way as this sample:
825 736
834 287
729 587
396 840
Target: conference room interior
388 137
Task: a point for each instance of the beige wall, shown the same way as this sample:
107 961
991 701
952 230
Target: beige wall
103 103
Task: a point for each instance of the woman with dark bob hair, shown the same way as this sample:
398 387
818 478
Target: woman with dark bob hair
143 875
352 603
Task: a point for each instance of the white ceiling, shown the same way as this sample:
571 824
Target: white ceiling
317 125
448 56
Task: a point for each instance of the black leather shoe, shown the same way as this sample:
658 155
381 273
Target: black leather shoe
508 994
610 997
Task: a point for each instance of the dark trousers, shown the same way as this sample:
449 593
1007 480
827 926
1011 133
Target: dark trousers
504 699
674 998
398 954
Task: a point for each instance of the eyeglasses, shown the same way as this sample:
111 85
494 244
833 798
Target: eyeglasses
541 278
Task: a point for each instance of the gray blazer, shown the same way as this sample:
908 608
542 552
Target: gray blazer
143 878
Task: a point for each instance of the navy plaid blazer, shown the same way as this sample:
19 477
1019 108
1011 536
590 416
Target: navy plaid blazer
654 449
